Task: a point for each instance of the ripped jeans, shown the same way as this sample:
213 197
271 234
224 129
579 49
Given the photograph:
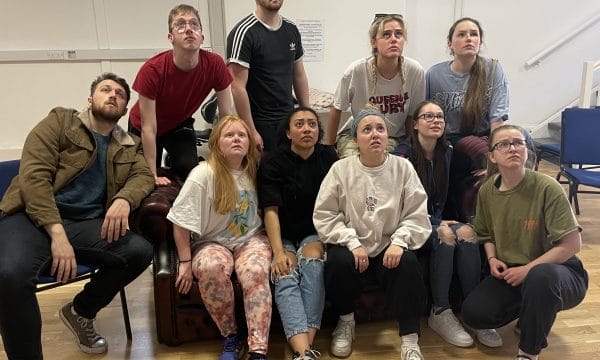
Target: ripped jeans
464 253
300 296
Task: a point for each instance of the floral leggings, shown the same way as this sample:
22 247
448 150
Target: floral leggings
213 265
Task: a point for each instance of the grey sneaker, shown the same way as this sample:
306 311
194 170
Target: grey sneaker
86 336
343 335
411 353
489 337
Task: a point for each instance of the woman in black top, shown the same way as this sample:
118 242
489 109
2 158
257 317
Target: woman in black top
289 179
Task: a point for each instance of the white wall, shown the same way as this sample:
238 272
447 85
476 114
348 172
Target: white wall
345 24
31 89
514 32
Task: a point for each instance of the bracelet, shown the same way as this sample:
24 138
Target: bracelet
185 261
492 257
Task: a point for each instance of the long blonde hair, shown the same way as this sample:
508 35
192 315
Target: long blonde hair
225 189
376 28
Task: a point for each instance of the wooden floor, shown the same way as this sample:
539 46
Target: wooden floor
576 333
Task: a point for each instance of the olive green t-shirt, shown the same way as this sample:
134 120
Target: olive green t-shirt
526 221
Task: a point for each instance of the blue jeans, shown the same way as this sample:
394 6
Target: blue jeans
464 254
300 295
25 253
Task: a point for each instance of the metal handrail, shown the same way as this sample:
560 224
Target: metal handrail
536 59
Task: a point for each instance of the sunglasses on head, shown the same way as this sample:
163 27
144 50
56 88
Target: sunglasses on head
381 16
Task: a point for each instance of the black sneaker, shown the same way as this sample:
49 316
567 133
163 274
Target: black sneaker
308 355
312 353
86 336
257 356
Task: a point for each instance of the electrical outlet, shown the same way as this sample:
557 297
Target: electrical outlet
55 54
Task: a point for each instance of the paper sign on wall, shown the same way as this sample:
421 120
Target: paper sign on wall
313 39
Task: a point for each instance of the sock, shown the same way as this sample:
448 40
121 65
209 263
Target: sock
410 340
347 317
533 357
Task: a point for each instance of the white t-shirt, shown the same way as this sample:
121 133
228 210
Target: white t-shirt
354 91
194 210
372 207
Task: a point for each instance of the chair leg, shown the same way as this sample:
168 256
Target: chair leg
575 187
125 314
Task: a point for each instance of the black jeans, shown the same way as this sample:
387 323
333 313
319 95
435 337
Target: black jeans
547 289
405 291
180 144
25 253
268 133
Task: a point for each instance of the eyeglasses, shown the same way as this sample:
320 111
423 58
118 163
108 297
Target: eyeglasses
181 25
504 146
381 16
429 117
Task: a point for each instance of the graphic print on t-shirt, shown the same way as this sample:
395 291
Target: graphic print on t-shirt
390 104
242 218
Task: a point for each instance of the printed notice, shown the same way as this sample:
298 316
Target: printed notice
313 39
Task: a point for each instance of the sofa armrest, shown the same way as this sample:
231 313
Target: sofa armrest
150 219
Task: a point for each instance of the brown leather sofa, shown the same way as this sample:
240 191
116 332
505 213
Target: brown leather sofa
183 318
179 318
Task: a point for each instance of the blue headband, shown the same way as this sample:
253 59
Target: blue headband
361 115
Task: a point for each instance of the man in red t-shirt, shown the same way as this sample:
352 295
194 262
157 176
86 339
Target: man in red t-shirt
171 86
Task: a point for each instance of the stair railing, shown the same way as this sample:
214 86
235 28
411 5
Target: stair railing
537 58
587 82
558 113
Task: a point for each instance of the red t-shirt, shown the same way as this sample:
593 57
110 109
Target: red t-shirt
178 94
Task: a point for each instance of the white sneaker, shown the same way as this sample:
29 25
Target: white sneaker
342 337
489 337
449 328
412 352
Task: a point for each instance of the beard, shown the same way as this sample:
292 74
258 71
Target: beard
106 113
271 7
